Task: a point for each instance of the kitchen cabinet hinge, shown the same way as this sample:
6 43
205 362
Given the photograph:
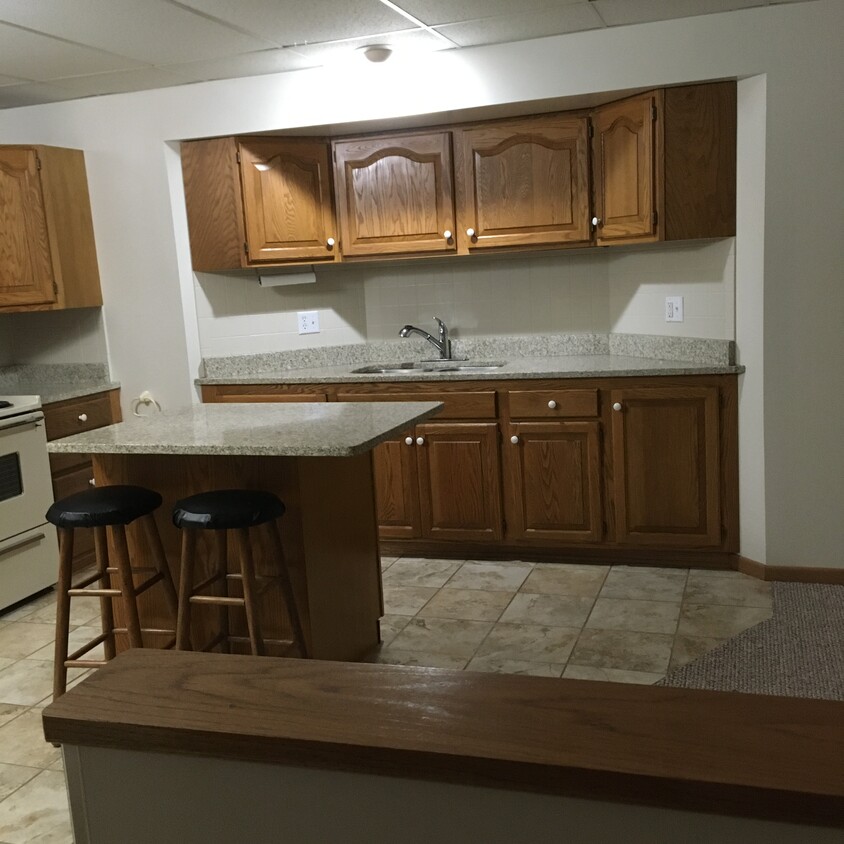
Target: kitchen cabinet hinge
237 156
591 130
37 163
655 217
653 112
245 247
55 288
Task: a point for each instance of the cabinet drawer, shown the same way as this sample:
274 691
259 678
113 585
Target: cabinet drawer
456 405
76 416
552 404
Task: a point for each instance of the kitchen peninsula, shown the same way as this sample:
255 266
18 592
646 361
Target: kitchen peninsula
315 457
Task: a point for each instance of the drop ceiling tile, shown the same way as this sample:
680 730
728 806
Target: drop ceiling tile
411 40
12 80
118 82
248 64
40 57
434 12
623 12
32 93
303 21
574 18
153 32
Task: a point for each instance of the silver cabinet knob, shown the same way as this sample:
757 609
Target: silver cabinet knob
447 234
470 232
330 242
408 440
92 481
514 439
420 441
552 404
596 221
616 405
83 417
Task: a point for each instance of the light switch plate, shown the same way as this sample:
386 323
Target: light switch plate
308 322
673 308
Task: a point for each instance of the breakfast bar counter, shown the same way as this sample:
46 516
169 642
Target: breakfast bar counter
315 456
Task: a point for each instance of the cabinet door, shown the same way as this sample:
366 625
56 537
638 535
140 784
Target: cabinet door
26 269
397 488
666 476
459 481
394 194
624 167
554 481
287 207
524 183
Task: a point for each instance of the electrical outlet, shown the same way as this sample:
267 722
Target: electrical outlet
308 322
673 308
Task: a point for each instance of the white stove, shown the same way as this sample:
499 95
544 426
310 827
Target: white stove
28 547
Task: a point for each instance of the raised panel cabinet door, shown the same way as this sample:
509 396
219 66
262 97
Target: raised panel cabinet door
624 168
287 204
26 269
395 194
553 472
524 183
666 466
459 481
397 488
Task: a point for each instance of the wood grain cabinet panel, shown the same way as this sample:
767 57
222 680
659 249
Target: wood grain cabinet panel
395 194
666 466
553 472
397 488
47 255
523 183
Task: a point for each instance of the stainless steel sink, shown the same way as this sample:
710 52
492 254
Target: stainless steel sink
428 366
387 368
467 366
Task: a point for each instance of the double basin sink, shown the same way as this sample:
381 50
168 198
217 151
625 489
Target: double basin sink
429 366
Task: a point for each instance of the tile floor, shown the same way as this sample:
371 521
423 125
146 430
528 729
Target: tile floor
586 622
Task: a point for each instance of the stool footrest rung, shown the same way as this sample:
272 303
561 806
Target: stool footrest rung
210 581
94 593
88 646
85 582
155 631
156 578
84 663
217 599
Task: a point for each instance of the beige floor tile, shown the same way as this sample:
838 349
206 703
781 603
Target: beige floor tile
529 643
22 742
442 635
78 637
74 676
552 610
689 648
736 575
417 571
719 622
391 626
26 682
83 610
389 655
497 577
513 666
566 579
644 583
19 639
626 650
12 777
611 675
727 591
643 616
37 813
8 711
31 606
386 562
406 600
471 604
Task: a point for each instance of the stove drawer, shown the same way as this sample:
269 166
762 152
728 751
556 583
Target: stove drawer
29 562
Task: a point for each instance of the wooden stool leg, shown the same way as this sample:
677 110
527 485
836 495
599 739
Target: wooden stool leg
287 590
106 609
159 558
250 592
127 586
62 611
183 637
222 557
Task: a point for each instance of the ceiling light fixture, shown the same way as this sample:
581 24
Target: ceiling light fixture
377 53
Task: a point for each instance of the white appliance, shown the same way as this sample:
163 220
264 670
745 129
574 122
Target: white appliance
29 557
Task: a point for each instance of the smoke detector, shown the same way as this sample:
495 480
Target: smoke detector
377 53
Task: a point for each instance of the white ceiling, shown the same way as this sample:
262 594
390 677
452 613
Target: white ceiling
53 50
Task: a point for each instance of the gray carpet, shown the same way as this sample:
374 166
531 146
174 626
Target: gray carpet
799 652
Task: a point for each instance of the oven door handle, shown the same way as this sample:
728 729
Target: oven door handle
29 540
36 418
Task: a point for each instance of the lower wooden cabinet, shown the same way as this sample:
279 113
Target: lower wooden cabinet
397 486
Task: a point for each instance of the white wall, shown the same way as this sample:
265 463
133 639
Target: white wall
142 248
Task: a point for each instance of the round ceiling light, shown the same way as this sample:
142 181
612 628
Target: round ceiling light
377 53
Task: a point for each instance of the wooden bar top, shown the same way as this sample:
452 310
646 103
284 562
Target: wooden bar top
733 754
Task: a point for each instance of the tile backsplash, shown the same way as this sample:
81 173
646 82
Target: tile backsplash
49 337
618 290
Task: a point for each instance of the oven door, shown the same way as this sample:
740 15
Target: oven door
25 485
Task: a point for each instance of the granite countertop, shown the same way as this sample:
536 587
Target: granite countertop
51 393
311 429
56 382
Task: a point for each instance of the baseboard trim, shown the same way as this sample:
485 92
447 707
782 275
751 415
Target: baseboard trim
789 574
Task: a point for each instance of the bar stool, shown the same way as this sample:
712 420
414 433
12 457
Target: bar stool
237 510
106 507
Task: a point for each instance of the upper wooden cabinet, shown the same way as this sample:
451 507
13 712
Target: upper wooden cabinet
258 202
395 194
664 165
523 183
48 259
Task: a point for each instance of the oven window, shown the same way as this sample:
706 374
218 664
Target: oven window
10 476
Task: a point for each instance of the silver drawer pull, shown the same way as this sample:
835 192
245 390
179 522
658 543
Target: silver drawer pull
30 540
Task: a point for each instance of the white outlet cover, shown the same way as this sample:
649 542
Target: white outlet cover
673 308
308 322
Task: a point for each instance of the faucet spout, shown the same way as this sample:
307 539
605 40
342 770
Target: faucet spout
442 345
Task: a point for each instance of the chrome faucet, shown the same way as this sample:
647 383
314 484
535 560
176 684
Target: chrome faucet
443 345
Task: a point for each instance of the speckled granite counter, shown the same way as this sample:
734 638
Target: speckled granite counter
56 382
267 430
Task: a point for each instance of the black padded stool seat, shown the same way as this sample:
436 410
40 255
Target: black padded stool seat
223 509
109 505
